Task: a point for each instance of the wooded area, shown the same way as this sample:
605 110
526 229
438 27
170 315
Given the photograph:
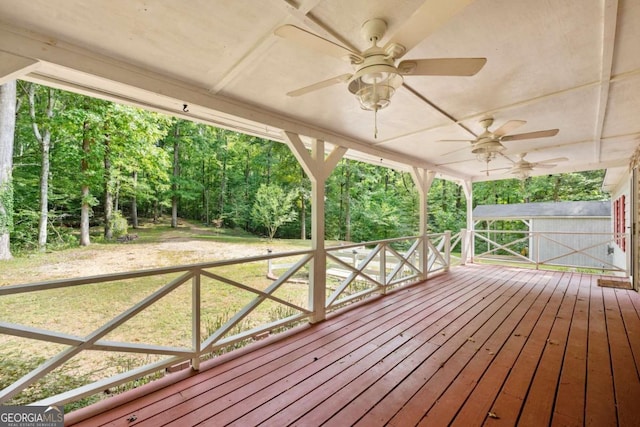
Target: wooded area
76 162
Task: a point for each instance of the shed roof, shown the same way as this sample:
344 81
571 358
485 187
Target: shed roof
543 210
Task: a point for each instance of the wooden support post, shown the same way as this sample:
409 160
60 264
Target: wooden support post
196 313
467 187
383 269
318 168
464 246
423 179
447 250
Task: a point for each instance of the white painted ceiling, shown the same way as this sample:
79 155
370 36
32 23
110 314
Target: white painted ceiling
573 65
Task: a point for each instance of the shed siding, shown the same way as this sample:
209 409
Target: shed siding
550 249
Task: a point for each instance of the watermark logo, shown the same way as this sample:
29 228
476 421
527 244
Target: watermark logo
31 416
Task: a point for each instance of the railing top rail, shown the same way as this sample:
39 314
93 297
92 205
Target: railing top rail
586 233
374 242
61 283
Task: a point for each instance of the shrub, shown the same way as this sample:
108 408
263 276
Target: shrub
120 226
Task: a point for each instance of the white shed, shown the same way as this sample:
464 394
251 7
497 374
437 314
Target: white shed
575 234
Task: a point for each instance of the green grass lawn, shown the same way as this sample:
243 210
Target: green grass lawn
82 309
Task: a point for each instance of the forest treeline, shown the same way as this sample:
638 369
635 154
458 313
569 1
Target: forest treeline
79 162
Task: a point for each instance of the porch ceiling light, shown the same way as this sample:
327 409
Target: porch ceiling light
522 174
375 85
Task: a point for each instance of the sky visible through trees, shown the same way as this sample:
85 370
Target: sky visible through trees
80 162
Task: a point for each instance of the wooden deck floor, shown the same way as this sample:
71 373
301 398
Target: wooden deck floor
481 345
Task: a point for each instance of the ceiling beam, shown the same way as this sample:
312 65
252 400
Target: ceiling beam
559 169
609 23
74 67
255 54
261 48
13 66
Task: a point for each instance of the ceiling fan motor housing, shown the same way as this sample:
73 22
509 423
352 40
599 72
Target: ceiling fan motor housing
373 29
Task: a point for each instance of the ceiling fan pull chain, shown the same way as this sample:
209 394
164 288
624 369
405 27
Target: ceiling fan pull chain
375 123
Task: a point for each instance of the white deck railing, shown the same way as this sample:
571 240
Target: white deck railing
353 272
550 248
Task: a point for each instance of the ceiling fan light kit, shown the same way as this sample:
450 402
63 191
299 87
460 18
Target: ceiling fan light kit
376 76
375 85
488 145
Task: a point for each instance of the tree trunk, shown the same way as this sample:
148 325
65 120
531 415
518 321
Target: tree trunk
223 179
134 201
156 210
303 217
176 174
44 194
7 131
108 195
347 203
44 138
85 239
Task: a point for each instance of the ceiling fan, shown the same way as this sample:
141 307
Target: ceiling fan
376 75
523 168
489 143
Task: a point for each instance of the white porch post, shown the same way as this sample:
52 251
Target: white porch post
423 179
467 187
318 168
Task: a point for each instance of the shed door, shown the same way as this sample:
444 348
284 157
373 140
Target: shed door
635 227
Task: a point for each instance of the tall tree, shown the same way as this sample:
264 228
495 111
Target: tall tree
85 206
41 125
108 189
273 208
176 175
7 130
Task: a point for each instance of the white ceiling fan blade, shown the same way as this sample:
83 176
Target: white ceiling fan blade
508 127
455 140
430 16
531 135
543 165
325 83
556 160
442 66
315 42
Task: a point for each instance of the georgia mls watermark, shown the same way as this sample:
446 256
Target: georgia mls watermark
31 416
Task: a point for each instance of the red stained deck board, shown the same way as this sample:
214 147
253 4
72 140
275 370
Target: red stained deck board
475 409
356 407
413 411
452 393
470 321
631 322
397 318
514 391
625 375
570 398
280 352
208 403
538 408
600 406
357 383
387 361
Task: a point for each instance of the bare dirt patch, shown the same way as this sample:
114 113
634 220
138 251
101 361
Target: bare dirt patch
189 244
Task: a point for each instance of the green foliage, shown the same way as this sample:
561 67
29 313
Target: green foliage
219 174
120 226
272 208
6 207
14 365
